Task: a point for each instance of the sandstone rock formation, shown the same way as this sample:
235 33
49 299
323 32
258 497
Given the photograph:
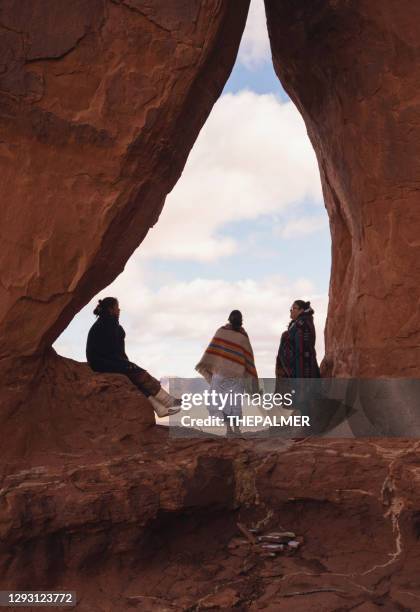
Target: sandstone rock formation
152 530
100 103
68 410
352 70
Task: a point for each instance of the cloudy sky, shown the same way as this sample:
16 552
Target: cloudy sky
245 227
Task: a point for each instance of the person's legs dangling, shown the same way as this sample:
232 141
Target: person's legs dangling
163 403
144 381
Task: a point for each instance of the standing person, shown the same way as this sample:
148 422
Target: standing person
296 357
105 352
227 364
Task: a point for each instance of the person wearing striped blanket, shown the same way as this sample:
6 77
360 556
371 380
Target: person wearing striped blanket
228 366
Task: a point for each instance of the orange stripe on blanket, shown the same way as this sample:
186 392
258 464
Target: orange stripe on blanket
229 343
248 369
250 365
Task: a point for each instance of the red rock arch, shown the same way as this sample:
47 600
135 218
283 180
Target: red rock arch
100 103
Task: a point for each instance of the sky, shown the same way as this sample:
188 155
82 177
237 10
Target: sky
244 228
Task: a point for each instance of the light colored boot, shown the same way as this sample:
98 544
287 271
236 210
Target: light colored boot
166 399
164 404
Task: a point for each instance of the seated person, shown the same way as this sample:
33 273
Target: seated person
105 352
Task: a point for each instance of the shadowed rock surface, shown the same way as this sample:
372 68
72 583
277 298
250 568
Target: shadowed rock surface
153 530
352 70
100 104
67 408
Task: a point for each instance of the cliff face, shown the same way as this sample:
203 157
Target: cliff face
100 104
352 70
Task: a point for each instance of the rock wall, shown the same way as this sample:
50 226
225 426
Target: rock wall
157 530
58 408
352 70
100 104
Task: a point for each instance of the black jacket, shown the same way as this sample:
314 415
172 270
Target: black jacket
105 347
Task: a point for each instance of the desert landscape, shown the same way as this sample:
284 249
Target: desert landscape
101 102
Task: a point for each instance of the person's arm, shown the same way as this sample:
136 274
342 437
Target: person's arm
283 369
303 347
280 373
113 343
120 342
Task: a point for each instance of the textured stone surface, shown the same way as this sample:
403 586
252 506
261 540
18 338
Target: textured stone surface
60 406
352 70
151 530
100 104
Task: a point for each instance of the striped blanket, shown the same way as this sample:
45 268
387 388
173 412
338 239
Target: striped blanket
229 354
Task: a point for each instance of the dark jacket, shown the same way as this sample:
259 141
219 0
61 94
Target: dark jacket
105 347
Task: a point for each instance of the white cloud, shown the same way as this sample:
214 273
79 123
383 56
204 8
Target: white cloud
252 157
168 328
255 45
301 226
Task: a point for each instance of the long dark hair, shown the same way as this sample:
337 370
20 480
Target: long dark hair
104 305
235 319
303 305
